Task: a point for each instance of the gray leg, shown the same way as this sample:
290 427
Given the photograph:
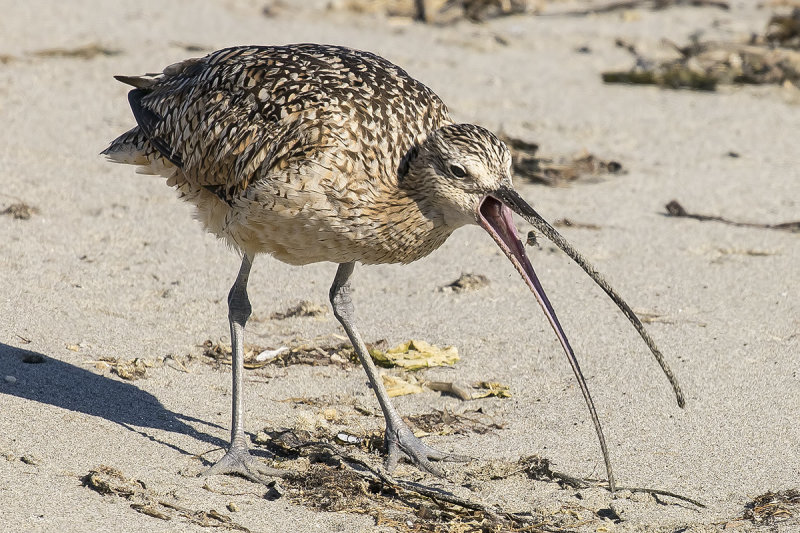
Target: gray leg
399 438
238 460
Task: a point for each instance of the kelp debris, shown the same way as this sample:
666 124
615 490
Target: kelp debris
675 209
20 211
339 481
128 369
439 12
569 223
771 58
773 507
446 422
627 5
555 172
304 353
482 10
784 30
302 309
110 481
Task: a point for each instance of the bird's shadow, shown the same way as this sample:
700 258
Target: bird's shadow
46 380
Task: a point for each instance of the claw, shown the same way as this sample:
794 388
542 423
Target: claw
239 461
401 442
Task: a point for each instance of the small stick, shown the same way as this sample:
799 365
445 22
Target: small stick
674 209
450 388
635 4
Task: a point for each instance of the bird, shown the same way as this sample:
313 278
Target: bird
320 153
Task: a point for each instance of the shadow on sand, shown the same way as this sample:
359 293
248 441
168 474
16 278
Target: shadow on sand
69 387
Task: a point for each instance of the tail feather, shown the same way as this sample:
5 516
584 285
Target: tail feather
133 148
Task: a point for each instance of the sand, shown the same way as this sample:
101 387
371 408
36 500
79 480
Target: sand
111 265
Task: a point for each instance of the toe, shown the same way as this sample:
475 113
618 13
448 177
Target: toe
240 462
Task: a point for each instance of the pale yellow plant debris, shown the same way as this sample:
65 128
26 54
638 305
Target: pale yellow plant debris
397 386
491 388
416 355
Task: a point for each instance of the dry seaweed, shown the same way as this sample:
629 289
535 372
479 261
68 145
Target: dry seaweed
306 353
303 309
331 479
773 507
771 58
129 369
784 30
338 481
482 10
538 468
675 209
20 211
440 11
109 481
446 422
626 5
556 172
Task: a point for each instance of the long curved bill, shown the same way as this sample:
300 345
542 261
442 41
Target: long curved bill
494 215
511 199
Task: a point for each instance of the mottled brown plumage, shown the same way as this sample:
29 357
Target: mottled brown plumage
322 153
279 146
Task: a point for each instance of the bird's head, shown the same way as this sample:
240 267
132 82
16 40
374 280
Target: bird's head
454 169
463 174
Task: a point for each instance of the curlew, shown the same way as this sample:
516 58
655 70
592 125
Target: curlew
318 153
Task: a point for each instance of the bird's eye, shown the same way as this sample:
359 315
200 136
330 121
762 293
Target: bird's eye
458 171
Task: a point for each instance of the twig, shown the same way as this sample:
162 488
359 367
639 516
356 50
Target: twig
540 468
637 4
660 492
450 388
675 209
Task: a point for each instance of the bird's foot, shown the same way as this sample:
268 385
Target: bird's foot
238 461
401 442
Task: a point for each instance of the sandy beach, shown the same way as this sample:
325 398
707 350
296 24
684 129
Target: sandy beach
100 266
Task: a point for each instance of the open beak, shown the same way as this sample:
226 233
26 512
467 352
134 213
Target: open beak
494 215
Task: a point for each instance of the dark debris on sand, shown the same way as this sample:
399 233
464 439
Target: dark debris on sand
110 481
556 172
302 309
675 209
772 57
774 507
466 282
439 12
329 475
20 211
304 353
